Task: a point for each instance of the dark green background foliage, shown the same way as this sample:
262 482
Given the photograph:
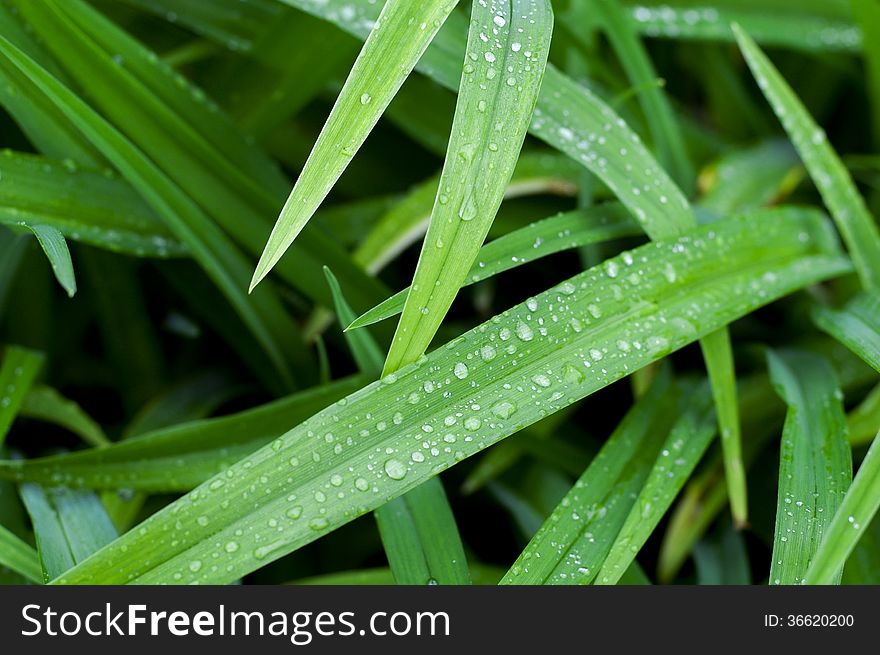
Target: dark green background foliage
185 398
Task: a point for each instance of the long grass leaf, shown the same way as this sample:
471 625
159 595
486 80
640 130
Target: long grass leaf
85 205
562 232
401 33
847 206
421 538
815 466
17 373
508 44
684 447
47 404
207 243
19 556
477 396
68 525
856 511
857 325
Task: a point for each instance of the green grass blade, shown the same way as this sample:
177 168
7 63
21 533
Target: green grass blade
717 269
562 232
718 354
47 404
815 466
788 25
857 326
863 565
179 457
508 44
366 352
421 538
847 206
665 131
684 447
408 220
573 542
188 139
68 525
856 511
55 248
17 373
418 529
19 557
85 205
568 116
264 315
402 32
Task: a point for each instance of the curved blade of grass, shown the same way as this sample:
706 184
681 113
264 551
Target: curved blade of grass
575 121
802 30
610 321
508 44
47 404
867 15
408 220
665 132
684 447
179 457
55 248
847 206
421 538
567 116
68 526
85 205
718 353
857 326
263 315
19 557
572 543
366 352
562 232
856 511
20 368
402 32
418 529
188 139
815 466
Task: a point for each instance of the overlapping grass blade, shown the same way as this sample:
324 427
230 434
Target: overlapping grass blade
17 373
55 248
402 32
665 130
263 315
867 15
815 466
408 220
47 404
85 205
562 232
863 565
508 44
68 526
791 25
683 449
846 205
179 457
573 542
421 538
856 511
19 556
418 529
187 138
863 420
462 398
857 325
